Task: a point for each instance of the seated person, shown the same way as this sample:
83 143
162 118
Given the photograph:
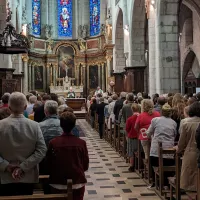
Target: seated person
72 155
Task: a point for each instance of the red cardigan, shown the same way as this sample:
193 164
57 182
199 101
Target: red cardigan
67 158
130 126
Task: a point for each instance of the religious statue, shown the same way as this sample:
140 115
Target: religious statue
29 29
98 91
80 31
85 31
48 30
49 45
71 93
82 44
103 29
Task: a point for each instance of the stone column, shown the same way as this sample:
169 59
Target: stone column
88 77
99 75
25 79
108 67
84 78
167 58
48 76
44 78
103 76
81 75
152 53
33 77
77 74
29 77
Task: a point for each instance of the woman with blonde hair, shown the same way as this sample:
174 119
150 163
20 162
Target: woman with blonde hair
143 122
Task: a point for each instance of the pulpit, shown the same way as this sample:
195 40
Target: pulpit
7 83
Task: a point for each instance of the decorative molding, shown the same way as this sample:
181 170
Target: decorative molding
147 6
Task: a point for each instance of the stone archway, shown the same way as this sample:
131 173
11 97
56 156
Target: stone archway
138 33
119 57
190 73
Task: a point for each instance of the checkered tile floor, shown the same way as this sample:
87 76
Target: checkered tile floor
108 176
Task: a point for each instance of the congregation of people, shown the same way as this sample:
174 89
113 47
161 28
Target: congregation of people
39 136
170 119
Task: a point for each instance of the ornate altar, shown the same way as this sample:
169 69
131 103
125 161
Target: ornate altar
63 85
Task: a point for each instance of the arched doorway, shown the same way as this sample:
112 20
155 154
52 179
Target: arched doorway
191 73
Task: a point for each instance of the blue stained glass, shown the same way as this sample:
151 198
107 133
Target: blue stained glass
65 18
94 17
36 17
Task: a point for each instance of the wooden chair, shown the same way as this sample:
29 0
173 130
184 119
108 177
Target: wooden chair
174 182
159 171
147 167
67 196
138 159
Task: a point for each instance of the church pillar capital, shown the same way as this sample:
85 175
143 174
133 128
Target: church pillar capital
25 58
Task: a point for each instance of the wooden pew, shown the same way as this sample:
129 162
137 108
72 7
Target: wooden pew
198 185
138 159
159 171
147 167
174 182
106 129
67 196
96 124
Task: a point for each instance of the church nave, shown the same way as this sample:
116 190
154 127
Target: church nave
108 176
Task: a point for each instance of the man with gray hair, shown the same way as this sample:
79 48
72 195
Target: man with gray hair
22 147
51 125
32 101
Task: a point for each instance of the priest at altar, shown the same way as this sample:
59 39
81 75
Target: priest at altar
71 94
98 91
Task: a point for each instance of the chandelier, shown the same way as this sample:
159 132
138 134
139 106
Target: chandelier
10 41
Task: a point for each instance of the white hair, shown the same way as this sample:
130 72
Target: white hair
61 100
17 102
32 99
51 107
61 108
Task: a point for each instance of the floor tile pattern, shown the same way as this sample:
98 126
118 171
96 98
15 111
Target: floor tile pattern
108 176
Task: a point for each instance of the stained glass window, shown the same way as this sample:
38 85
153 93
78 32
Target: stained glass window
36 17
94 17
65 18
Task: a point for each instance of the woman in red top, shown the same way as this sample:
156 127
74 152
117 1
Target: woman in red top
143 122
67 158
132 134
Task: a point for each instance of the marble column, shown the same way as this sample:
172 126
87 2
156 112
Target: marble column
81 75
44 78
33 77
25 79
77 74
29 77
48 76
88 77
99 75
108 71
103 76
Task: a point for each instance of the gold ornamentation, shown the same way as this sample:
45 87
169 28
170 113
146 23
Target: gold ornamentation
82 44
147 6
25 58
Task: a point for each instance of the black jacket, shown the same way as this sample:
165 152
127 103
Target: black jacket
100 112
39 114
93 109
118 106
198 144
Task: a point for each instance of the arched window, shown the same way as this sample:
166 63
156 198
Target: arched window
94 17
65 18
36 17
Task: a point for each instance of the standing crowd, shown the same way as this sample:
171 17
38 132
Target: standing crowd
38 135
172 119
